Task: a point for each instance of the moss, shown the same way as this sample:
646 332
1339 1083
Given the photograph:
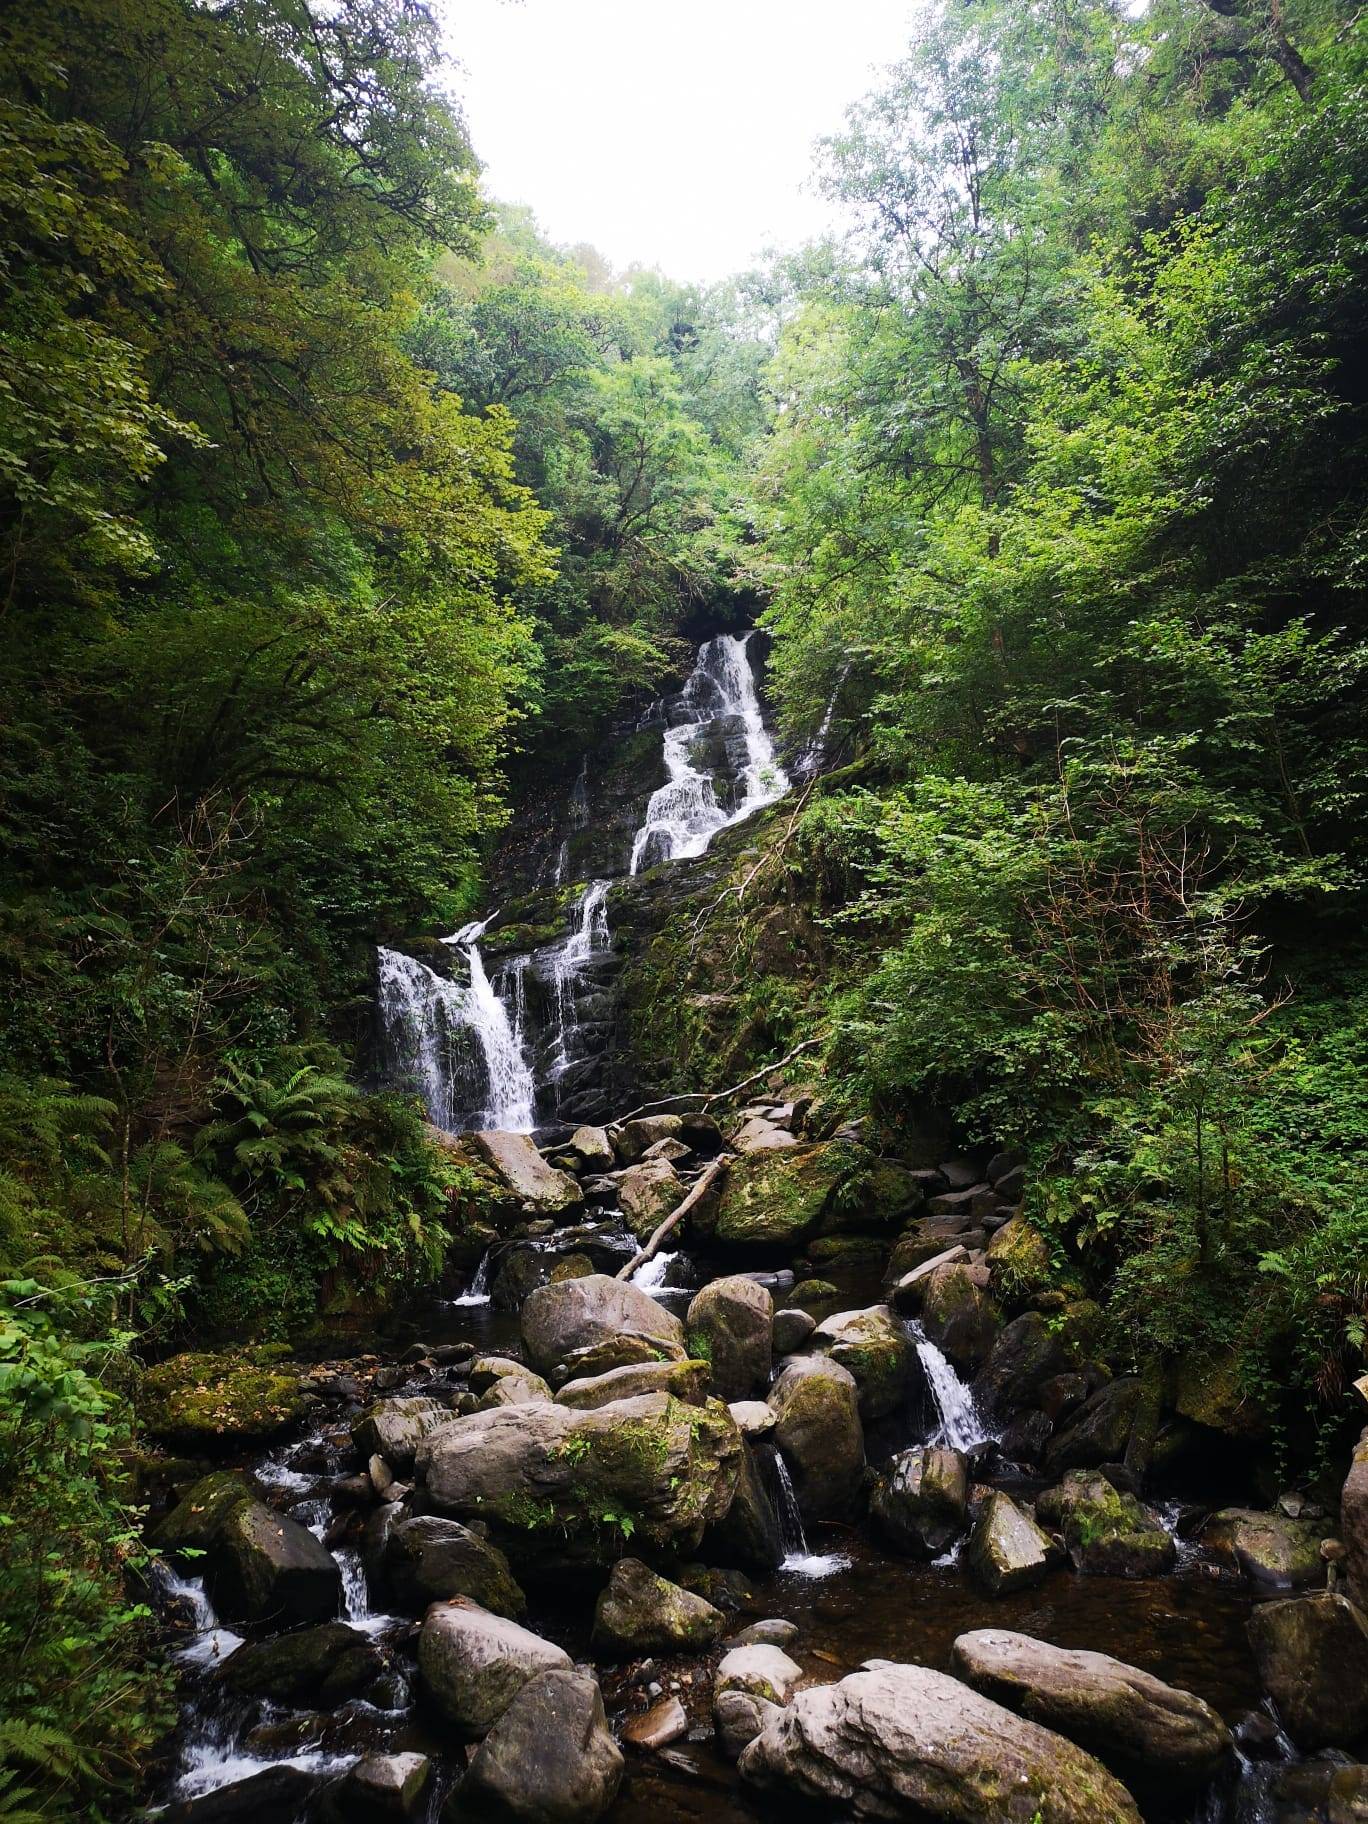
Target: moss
198 1399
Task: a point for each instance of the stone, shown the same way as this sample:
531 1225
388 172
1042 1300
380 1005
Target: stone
473 1664
1007 1550
194 1524
1026 1354
738 1718
1312 1654
521 1170
749 1535
322 1665
1354 1521
761 1670
393 1429
817 1426
1019 1263
665 1722
759 1135
428 1559
1106 1531
1274 1552
550 1758
958 1316
276 1795
633 1137
592 1147
257 1565
876 1351
908 1289
731 1322
1324 1790
638 1612
499 1381
791 1330
774 1631
754 1418
1023 1441
775 1198
559 1322
647 1193
381 1787
1099 1431
1211 1390
551 1480
906 1743
673 1150
920 1501
200 1400
687 1381
1151 1735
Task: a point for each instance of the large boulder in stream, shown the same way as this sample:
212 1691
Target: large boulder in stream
428 1559
394 1428
1106 1531
731 1321
201 1401
817 1427
591 1325
1312 1653
920 1501
647 1193
1151 1735
958 1316
560 1486
905 1743
634 1138
875 1349
550 1759
258 1565
524 1174
276 1795
687 1381
1099 1431
1273 1551
638 1612
1007 1550
774 1199
749 1536
1026 1354
320 1666
473 1664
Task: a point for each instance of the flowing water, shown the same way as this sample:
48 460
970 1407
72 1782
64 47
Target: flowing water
962 1426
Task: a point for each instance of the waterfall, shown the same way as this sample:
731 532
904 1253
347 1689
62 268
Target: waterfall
477 1293
211 1642
961 1425
813 757
588 938
799 1558
684 814
651 1276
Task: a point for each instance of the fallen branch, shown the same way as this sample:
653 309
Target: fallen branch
704 1100
676 1216
725 1095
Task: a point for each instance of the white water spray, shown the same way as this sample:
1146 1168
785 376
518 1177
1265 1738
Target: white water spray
961 1424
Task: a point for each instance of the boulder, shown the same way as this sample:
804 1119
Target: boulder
321 1666
276 1795
687 1381
194 1524
757 1135
647 1193
200 1401
1007 1550
1019 1263
731 1322
874 1347
633 1137
1024 1357
639 1613
817 1426
1106 1531
1150 1734
550 1759
428 1559
560 1487
775 1198
393 1429
754 1418
760 1670
749 1535
772 1631
1274 1553
920 1501
665 1722
1354 1521
524 1174
958 1316
592 1147
500 1381
258 1565
1312 1654
1099 1431
473 1664
561 1323
381 1787
905 1743
1212 1390
739 1717
791 1330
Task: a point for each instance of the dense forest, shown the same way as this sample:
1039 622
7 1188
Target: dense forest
342 515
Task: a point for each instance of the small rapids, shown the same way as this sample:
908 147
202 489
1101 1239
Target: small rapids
962 1426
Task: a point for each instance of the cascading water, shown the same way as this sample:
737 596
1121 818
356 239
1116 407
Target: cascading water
799 1558
684 814
589 937
961 1424
814 754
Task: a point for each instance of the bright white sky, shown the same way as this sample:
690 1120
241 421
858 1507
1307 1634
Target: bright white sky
676 133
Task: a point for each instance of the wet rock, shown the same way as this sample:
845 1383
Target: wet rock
754 1418
550 1759
544 1476
1025 1439
874 1348
194 1524
1324 1790
1150 1734
905 1743
791 1330
739 1717
592 1147
663 1723
500 1381
647 1193
1007 1550
276 1795
559 1323
749 1535
428 1559
1107 1532
731 1322
958 1316
381 1787
393 1429
639 1612
1026 1355
761 1670
909 1288
323 1665
817 1426
524 1174
1274 1553
920 1501
265 1567
633 1137
200 1400
473 1664
1312 1653
687 1381
1099 1431
772 1632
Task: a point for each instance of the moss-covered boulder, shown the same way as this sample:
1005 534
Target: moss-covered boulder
1274 1552
817 1426
775 1200
872 1346
1312 1653
647 1193
322 1666
200 1400
920 1501
473 1664
1210 1390
687 1381
587 1326
258 1566
731 1321
1100 1431
1026 1354
1107 1533
638 1612
1019 1263
429 1559
958 1316
394 1428
1007 1550
872 1196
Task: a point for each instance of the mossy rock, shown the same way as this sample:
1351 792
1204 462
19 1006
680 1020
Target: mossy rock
1209 1390
1019 1263
200 1399
776 1199
846 1251
1107 1533
875 1195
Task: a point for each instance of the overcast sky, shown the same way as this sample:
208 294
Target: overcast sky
677 135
